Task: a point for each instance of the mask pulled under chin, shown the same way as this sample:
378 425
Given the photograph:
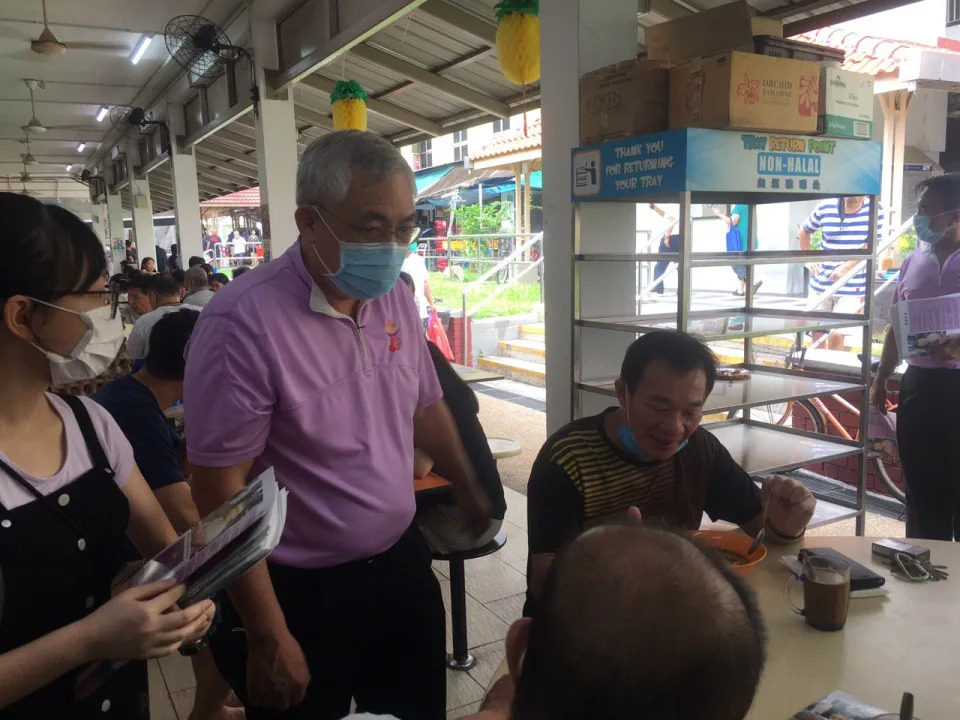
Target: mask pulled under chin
629 440
367 270
92 354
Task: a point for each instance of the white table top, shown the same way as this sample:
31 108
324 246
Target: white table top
907 641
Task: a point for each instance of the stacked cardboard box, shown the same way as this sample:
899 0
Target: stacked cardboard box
846 104
723 74
623 100
727 27
745 91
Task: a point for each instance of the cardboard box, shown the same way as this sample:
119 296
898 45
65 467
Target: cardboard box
726 27
746 92
623 100
846 104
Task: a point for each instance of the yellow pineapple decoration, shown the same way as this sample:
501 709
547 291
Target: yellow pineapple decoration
518 40
349 101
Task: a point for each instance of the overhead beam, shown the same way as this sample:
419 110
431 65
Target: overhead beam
401 139
213 127
385 14
476 27
459 62
523 102
464 60
214 188
236 138
318 120
431 79
393 112
790 9
217 175
155 163
844 14
247 159
227 168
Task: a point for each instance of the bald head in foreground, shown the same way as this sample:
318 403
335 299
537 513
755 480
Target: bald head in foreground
634 623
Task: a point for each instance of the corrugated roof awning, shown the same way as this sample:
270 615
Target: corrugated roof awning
459 177
426 178
242 198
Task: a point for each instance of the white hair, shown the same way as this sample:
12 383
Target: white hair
327 166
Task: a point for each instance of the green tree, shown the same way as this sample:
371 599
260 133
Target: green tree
907 242
476 220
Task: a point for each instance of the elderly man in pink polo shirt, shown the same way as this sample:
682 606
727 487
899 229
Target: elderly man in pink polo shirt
928 414
316 365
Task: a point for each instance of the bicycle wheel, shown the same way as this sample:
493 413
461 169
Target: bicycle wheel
798 414
887 481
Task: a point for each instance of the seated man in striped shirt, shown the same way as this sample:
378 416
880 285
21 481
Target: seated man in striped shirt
652 454
844 224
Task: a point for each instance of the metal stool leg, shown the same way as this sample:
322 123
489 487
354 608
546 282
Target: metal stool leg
461 659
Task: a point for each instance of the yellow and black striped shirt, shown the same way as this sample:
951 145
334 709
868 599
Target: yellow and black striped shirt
581 478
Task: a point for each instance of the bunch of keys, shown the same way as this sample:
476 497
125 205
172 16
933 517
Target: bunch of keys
918 570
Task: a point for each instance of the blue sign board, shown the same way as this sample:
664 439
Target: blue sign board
726 161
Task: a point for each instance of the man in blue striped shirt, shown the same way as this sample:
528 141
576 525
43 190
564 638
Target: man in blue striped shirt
845 223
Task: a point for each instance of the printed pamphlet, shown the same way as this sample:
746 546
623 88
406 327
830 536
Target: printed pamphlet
839 706
209 556
917 323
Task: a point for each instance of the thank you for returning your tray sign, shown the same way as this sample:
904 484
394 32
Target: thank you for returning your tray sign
724 161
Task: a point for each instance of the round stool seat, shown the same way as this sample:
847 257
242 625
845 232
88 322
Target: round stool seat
499 540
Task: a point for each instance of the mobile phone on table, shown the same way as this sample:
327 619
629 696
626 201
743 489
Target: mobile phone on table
861 577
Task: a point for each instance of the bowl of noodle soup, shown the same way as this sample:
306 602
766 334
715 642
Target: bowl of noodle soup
733 546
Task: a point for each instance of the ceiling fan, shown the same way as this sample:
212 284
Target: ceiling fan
27 158
34 126
48 44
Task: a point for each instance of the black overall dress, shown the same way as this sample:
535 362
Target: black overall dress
58 555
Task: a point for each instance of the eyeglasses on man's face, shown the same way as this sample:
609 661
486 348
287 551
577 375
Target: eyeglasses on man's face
376 234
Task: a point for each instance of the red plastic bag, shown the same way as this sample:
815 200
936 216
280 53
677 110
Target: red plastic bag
438 336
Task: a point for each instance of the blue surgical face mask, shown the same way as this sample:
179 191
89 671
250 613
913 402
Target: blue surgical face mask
367 270
921 223
629 440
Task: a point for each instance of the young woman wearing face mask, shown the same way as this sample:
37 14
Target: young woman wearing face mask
69 490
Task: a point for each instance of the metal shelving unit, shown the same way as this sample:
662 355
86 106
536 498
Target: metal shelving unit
760 448
765 386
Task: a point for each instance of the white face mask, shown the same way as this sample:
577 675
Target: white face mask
94 351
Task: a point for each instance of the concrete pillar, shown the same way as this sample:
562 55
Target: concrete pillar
142 206
115 229
276 150
186 192
605 31
518 198
895 105
98 220
527 197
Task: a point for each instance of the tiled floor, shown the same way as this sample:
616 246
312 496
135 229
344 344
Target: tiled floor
495 593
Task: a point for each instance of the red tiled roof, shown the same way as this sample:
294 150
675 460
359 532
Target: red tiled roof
241 198
865 53
513 141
